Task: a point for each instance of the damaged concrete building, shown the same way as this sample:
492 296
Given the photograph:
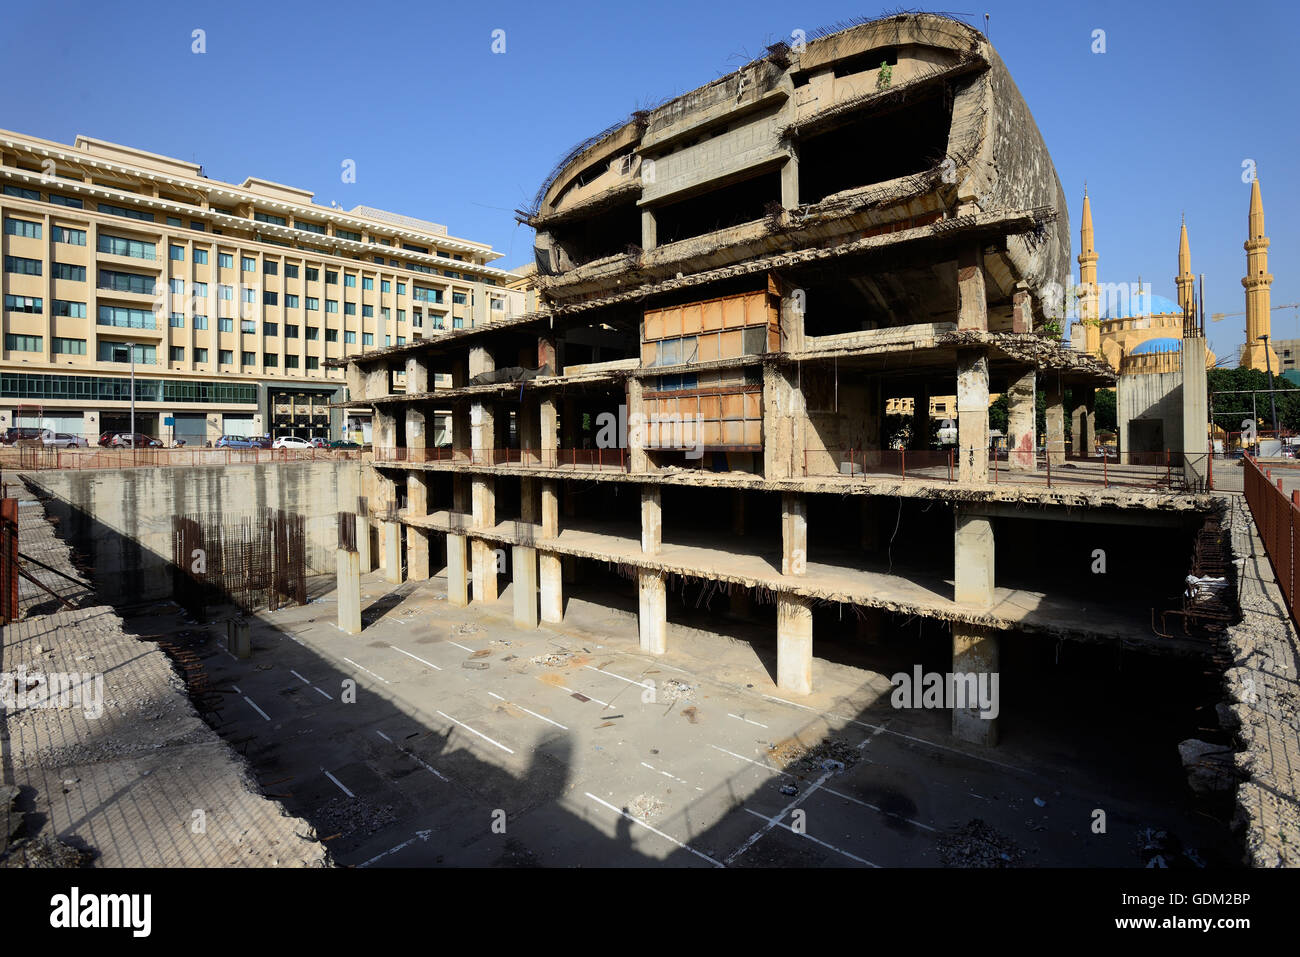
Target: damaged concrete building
734 286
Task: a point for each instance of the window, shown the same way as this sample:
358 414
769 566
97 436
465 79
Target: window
384 312
388 340
270 267
171 220
367 283
347 234
21 192
401 289
24 304
420 267
121 352
76 310
331 277
270 298
118 246
250 296
367 338
385 286
312 363
349 308
290 301
401 340
70 201
178 287
368 312
69 272
126 282
225 324
19 343
349 338
126 318
497 305
225 292
313 332
270 328
247 325
176 253
457 299
68 347
21 227
200 355
291 362
378 259
331 335
23 266
176 353
128 213
290 271
309 227
268 218
199 290
331 305
417 319
425 294
248 358
201 257
290 332
200 322
176 320
248 264
313 303
225 357
313 274
225 261
271 360
73 237
416 249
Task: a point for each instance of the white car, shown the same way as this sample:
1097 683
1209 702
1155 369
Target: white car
290 442
63 440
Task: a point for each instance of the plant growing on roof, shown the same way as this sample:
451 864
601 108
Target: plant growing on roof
883 77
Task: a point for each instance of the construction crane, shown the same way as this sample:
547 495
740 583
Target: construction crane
1215 317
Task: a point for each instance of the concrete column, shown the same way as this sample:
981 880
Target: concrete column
972 416
417 553
921 419
483 570
794 644
973 559
484 501
550 435
363 540
416 437
794 534
638 461
1055 419
482 426
790 178
975 652
1022 310
392 552
973 310
1078 421
349 592
794 308
1090 407
552 587
524 586
530 512
649 228
526 424
550 509
547 359
457 580
1022 440
462 439
652 613
651 520
1196 439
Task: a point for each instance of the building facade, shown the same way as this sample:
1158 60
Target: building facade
225 301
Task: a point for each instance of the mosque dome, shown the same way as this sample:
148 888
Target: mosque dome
1145 303
1161 344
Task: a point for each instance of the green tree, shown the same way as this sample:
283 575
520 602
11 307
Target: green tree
1231 399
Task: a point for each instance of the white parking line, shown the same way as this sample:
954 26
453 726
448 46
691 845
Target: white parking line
837 850
419 836
652 830
417 658
366 670
384 736
619 677
768 768
479 733
746 720
251 702
325 693
776 818
672 776
526 711
459 645
339 783
840 794
571 691
299 677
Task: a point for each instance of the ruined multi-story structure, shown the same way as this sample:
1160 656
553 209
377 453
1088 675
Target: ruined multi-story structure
734 286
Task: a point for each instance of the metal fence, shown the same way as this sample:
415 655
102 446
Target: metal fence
24 459
255 561
613 460
1277 517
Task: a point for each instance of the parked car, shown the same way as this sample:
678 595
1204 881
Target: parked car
64 440
10 436
239 442
106 439
290 442
319 443
135 440
344 444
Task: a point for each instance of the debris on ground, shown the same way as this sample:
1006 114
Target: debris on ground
673 690
976 844
691 714
1210 768
789 789
467 628
351 815
553 659
829 754
474 665
646 806
1157 848
45 851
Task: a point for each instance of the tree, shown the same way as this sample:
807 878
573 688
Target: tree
1232 404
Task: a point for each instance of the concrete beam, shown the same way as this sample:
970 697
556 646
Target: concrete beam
975 652
552 587
652 611
794 534
794 644
524 586
349 592
972 416
973 559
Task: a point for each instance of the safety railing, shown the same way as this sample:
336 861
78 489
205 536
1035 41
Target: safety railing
20 459
1277 518
604 460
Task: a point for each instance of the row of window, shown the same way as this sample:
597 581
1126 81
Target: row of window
118 389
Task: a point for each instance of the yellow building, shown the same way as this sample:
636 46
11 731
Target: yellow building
229 298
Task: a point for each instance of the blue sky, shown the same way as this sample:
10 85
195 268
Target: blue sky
442 128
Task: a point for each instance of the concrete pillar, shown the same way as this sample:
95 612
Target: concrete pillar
790 178
1055 419
972 416
526 426
484 501
975 652
794 308
1022 440
638 460
363 540
457 579
1079 421
649 228
794 534
461 430
973 559
349 592
417 553
416 437
417 374
1196 439
552 588
524 586
794 644
547 360
392 552
921 419
550 435
482 426
1090 407
550 509
973 312
1022 309
651 520
652 611
483 568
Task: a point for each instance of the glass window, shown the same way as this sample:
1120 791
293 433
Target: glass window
22 227
313 332
67 271
347 234
401 289
178 287
73 237
226 357
313 303
62 307
19 343
200 322
248 358
331 305
225 324
70 201
291 362
119 246
23 266
368 312
128 213
384 312
331 335
331 277
250 295
24 304
172 220
312 363
313 274
200 355
270 298
68 347
270 328
268 218
121 352
367 338
385 286
126 318
201 257
225 260
349 308
21 192
248 264
349 337
247 325
176 353
126 282
176 252
290 331
290 271
290 301
198 226
176 320
367 283
225 291
309 227
270 267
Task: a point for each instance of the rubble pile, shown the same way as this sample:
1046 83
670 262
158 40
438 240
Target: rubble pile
976 844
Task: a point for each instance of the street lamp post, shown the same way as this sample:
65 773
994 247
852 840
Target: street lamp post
130 346
1272 402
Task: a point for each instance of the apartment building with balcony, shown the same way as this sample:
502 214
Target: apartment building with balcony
227 301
